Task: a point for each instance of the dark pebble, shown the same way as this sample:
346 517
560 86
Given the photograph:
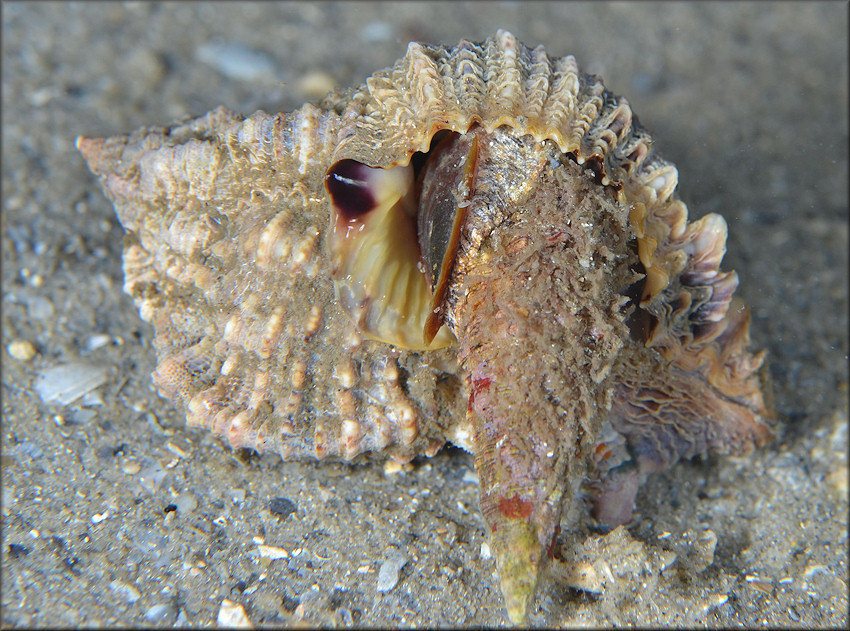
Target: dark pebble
72 564
282 507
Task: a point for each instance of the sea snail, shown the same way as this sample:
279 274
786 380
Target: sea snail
478 245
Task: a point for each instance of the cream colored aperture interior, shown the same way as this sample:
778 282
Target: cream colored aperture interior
378 278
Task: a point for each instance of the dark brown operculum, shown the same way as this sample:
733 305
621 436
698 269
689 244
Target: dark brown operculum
534 300
446 185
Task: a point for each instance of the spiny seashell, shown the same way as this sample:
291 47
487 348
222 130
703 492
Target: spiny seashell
479 245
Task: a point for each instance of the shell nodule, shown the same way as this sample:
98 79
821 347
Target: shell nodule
478 245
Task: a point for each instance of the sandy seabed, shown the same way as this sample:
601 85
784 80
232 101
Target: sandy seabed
113 513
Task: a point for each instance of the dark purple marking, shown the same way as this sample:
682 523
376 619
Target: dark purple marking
347 182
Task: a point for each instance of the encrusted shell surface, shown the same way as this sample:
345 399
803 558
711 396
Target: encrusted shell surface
586 339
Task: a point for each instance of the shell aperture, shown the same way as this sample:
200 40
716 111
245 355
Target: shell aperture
375 252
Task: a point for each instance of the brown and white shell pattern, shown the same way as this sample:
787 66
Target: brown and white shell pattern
478 245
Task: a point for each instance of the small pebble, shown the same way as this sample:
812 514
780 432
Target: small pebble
272 552
470 476
583 576
389 571
316 84
42 96
715 600
65 383
97 341
131 467
14 204
185 503
125 591
160 613
91 399
392 467
151 477
232 614
666 558
176 450
485 551
170 519
21 350
312 602
758 583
